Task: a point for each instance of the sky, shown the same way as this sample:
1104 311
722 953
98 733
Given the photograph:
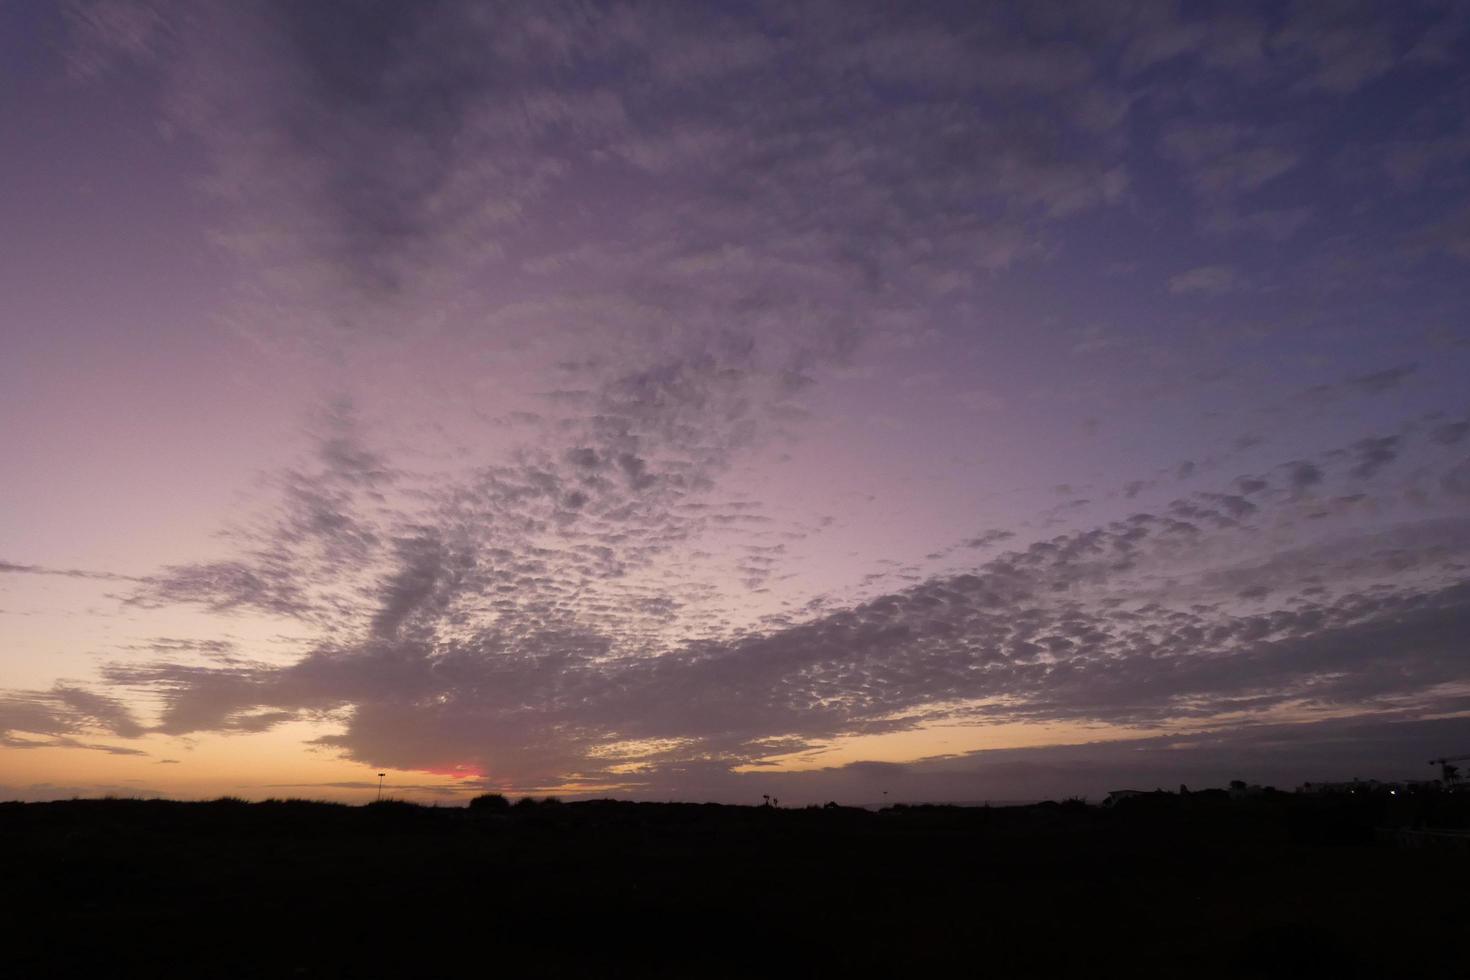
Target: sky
854 401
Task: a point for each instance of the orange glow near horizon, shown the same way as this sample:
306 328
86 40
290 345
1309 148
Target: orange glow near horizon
274 764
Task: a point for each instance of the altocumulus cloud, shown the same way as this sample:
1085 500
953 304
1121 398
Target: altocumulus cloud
680 221
1179 615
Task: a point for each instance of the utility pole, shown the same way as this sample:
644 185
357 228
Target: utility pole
380 786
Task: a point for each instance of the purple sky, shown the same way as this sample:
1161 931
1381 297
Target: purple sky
706 400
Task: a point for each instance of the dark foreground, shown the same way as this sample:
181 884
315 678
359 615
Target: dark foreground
1280 887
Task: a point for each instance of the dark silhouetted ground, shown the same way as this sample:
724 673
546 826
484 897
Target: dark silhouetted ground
1280 886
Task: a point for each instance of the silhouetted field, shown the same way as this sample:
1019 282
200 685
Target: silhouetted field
1195 886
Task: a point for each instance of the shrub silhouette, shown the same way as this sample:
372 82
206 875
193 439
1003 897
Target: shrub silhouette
489 803
1200 886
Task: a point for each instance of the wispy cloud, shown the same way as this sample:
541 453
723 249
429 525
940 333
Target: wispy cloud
13 568
1206 279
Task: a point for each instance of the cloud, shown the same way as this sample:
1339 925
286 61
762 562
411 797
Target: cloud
1449 234
987 538
1451 433
222 586
529 663
1280 755
1374 453
1303 474
1385 380
1410 164
1341 47
1224 159
1208 279
372 162
685 221
14 568
1276 224
64 711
